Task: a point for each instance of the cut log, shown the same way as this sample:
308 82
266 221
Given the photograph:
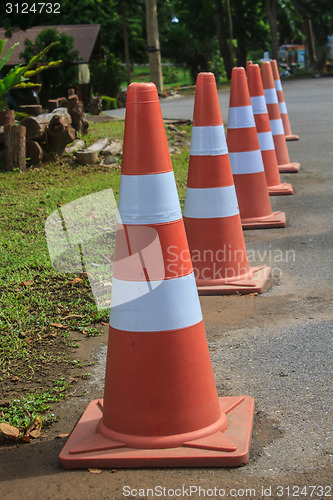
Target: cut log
34 152
31 109
90 155
15 147
72 101
2 135
36 125
114 148
53 104
78 144
59 133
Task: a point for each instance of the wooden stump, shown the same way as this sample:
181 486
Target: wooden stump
15 147
90 155
60 133
34 152
31 109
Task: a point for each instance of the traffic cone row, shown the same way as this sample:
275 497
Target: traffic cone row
160 405
246 160
275 187
211 214
282 105
276 121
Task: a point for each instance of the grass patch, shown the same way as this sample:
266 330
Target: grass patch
42 310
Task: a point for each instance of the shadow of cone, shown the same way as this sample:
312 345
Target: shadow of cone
160 407
282 104
259 108
275 120
211 215
246 160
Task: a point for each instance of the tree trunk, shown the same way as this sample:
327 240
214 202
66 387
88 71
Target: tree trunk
225 51
271 14
126 48
241 34
15 147
154 53
231 45
310 44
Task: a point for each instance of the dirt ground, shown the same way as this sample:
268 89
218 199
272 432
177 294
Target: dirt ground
274 347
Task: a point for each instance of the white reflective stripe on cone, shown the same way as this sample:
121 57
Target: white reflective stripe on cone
241 117
278 84
148 199
258 105
208 140
141 306
211 203
266 142
283 108
277 127
247 162
270 96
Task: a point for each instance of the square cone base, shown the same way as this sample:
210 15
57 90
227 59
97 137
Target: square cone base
292 137
276 219
86 448
259 283
280 189
289 168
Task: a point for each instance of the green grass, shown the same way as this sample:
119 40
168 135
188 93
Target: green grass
173 76
34 297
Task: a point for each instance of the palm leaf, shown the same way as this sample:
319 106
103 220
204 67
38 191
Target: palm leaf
31 73
35 59
2 45
6 57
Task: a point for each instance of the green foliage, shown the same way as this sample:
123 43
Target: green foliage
56 82
21 412
106 75
18 76
109 102
191 40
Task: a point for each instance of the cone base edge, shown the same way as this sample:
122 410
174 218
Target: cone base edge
292 137
240 418
261 281
290 168
276 219
282 189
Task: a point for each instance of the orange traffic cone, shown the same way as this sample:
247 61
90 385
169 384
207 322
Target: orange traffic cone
275 120
211 215
282 104
160 406
246 161
248 63
275 187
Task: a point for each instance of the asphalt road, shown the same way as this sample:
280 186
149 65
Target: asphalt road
275 347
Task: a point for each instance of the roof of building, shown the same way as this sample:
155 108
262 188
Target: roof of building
85 38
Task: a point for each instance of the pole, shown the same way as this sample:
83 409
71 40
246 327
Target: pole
154 54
